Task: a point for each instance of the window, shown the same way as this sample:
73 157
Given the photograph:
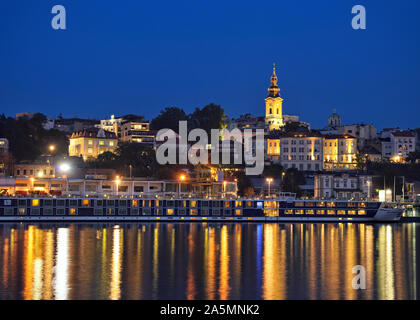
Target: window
98 212
341 212
320 211
331 212
170 212
122 211
21 211
299 204
111 143
351 212
101 142
193 203
309 211
90 142
238 204
362 212
330 204
73 211
85 203
35 202
193 212
299 211
249 204
238 212
134 203
227 204
205 212
73 203
216 212
60 211
48 211
309 204
320 204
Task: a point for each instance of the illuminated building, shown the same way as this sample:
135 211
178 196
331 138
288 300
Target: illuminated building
302 150
340 152
364 133
274 105
40 170
334 122
4 156
139 132
397 145
342 186
92 142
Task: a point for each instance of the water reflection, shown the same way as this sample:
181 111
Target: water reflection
207 261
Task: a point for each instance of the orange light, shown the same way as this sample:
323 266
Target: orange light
182 177
269 179
52 148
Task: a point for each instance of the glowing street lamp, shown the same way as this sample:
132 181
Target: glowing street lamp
182 178
65 167
269 180
51 147
117 182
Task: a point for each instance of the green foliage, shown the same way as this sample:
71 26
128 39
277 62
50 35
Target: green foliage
273 171
141 157
28 139
168 118
244 185
212 116
291 181
292 127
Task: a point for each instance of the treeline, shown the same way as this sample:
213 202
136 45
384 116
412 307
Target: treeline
28 139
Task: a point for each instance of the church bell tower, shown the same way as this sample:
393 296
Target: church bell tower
274 105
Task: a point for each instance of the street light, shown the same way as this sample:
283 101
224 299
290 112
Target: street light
182 177
269 180
224 188
51 147
65 167
117 182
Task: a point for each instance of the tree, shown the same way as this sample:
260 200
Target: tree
361 161
212 116
168 119
292 127
291 181
273 171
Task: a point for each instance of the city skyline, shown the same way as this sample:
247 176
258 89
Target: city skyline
75 71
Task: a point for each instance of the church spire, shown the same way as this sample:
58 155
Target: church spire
274 90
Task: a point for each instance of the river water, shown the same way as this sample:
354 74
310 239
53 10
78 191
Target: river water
208 261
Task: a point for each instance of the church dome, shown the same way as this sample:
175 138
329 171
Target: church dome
334 120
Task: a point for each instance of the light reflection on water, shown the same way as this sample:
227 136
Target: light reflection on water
207 261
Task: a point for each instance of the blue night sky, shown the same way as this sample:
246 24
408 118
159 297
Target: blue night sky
132 56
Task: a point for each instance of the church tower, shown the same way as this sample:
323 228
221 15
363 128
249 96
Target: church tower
273 105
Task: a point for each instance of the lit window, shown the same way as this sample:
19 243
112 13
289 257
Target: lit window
330 212
238 212
320 211
73 211
193 203
249 204
330 204
134 203
35 202
193 212
227 204
288 211
351 212
362 212
90 150
309 211
85 202
90 142
101 142
111 143
238 204
341 212
169 212
299 211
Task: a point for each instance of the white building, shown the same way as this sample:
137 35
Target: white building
363 132
342 186
399 145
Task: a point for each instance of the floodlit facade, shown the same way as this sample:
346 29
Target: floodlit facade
342 186
340 152
274 105
91 142
399 145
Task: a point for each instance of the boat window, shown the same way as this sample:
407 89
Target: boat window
227 204
309 211
330 212
110 203
85 203
35 211
61 203
238 204
122 203
352 204
299 211
227 212
146 203
73 211
299 204
184 203
48 202
170 212
158 212
320 211
146 211
21 211
362 205
330 204
98 212
362 212
134 203
341 212
182 212
205 212
341 204
60 211
110 211
193 203
204 203
170 203
134 211
320 204
288 211
216 212
48 211
10 211
238 212
249 204
122 211
22 203
351 212
309 204
73 203
35 202
193 212
372 204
